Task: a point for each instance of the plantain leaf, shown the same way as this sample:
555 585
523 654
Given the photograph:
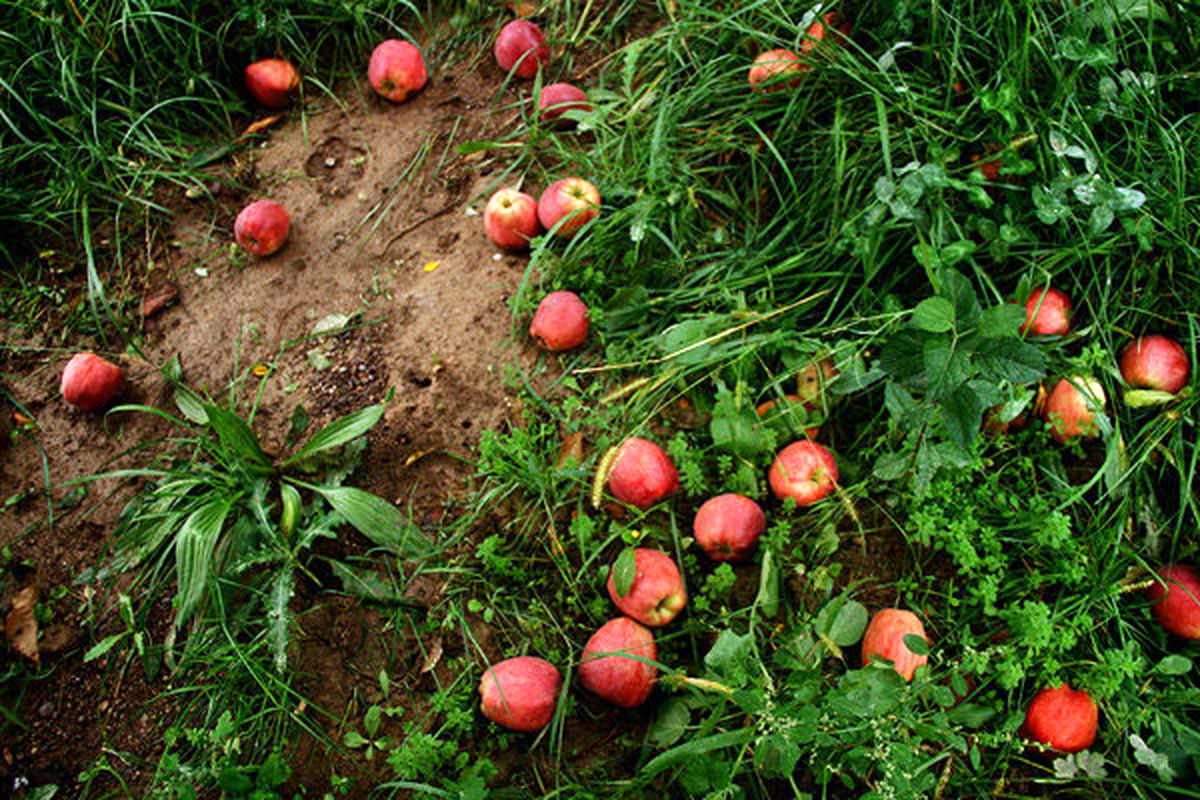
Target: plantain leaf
339 432
377 519
194 547
236 435
279 616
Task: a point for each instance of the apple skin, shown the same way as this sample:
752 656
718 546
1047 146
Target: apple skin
271 80
1052 318
262 227
89 382
1155 362
1062 719
765 408
559 97
574 201
515 40
510 219
728 526
1177 606
520 693
560 322
804 471
657 594
830 27
622 681
396 70
885 638
642 473
1067 411
769 69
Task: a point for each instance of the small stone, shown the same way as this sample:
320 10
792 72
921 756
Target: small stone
46 709
331 162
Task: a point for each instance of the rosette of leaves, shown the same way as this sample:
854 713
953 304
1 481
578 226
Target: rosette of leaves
951 362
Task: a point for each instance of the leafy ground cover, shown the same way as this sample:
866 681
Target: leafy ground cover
890 213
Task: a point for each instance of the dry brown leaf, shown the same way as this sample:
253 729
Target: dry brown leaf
415 457
158 298
571 448
434 656
260 125
20 626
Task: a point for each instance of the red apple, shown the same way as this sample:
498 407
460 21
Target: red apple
262 227
885 638
573 201
1070 412
520 693
271 80
559 97
619 679
728 526
657 594
560 322
396 70
770 68
765 408
1047 312
1155 362
642 473
522 45
1063 719
510 219
89 382
831 27
1177 601
804 471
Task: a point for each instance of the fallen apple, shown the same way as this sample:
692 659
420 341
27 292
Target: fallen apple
1155 362
1176 599
89 382
520 693
885 639
812 382
521 48
775 69
804 471
559 97
570 204
829 27
642 474
728 526
1062 719
271 80
657 594
560 322
396 70
510 219
262 227
1047 312
620 678
1071 413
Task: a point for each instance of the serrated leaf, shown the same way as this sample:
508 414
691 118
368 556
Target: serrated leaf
1007 359
1002 320
624 571
729 657
947 367
1148 757
670 723
962 412
903 355
339 432
955 287
279 617
377 519
933 314
365 584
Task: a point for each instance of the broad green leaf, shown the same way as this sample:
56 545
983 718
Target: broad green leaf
366 584
292 506
339 432
916 644
735 427
1174 665
956 288
963 414
1007 359
279 616
377 519
624 571
767 600
947 367
353 739
236 435
194 546
970 715
690 749
1142 398
729 657
1002 320
848 624
371 720
903 355
933 314
670 723
956 252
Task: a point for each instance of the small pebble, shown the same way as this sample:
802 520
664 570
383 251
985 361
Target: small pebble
331 162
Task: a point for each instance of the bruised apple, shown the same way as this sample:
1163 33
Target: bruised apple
642 473
271 80
1070 412
522 45
885 639
560 322
262 227
1177 600
510 219
804 471
1047 312
559 97
728 526
520 693
1155 362
89 382
573 202
776 69
396 70
657 594
1062 719
618 678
